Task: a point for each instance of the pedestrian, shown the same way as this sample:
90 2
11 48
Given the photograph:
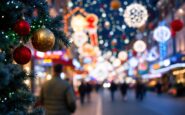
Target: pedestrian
113 89
57 96
159 88
82 90
140 90
88 91
123 89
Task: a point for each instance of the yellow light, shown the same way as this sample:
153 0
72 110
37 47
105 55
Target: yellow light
27 82
78 23
49 77
47 61
123 55
139 46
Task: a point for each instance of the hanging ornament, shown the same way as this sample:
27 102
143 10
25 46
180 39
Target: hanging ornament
134 53
43 40
123 55
173 33
22 55
92 21
177 25
152 54
139 46
114 42
162 34
80 38
115 4
78 23
135 15
151 26
22 27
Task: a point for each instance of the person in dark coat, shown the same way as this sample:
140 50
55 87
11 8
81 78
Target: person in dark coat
113 89
57 96
159 88
88 91
82 90
123 89
140 90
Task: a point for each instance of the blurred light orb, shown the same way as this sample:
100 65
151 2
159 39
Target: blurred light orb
107 24
116 63
126 41
133 62
135 15
162 34
139 46
78 23
115 4
123 55
79 38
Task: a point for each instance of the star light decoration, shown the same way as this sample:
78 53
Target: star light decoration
135 15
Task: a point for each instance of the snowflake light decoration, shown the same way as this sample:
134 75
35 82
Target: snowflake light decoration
135 15
162 34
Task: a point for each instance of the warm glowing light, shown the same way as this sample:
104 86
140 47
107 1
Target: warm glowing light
135 15
78 23
123 55
139 46
48 77
116 63
79 38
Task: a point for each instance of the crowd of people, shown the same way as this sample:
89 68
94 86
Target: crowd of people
85 90
57 96
140 90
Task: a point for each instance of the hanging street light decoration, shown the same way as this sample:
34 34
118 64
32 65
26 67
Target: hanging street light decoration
92 21
79 38
123 55
139 46
162 34
135 15
78 23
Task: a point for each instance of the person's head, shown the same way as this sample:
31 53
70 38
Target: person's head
82 82
57 69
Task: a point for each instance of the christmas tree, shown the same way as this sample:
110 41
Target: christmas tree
23 21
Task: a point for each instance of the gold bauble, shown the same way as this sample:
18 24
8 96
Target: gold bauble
43 40
115 4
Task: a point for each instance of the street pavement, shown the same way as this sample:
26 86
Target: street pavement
153 104
93 107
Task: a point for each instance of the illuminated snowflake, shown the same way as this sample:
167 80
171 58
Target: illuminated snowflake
135 15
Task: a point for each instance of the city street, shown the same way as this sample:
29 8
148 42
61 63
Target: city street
152 105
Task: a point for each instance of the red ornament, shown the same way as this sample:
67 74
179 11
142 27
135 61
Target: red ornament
173 33
91 19
114 50
134 53
22 55
22 27
124 36
177 25
151 26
